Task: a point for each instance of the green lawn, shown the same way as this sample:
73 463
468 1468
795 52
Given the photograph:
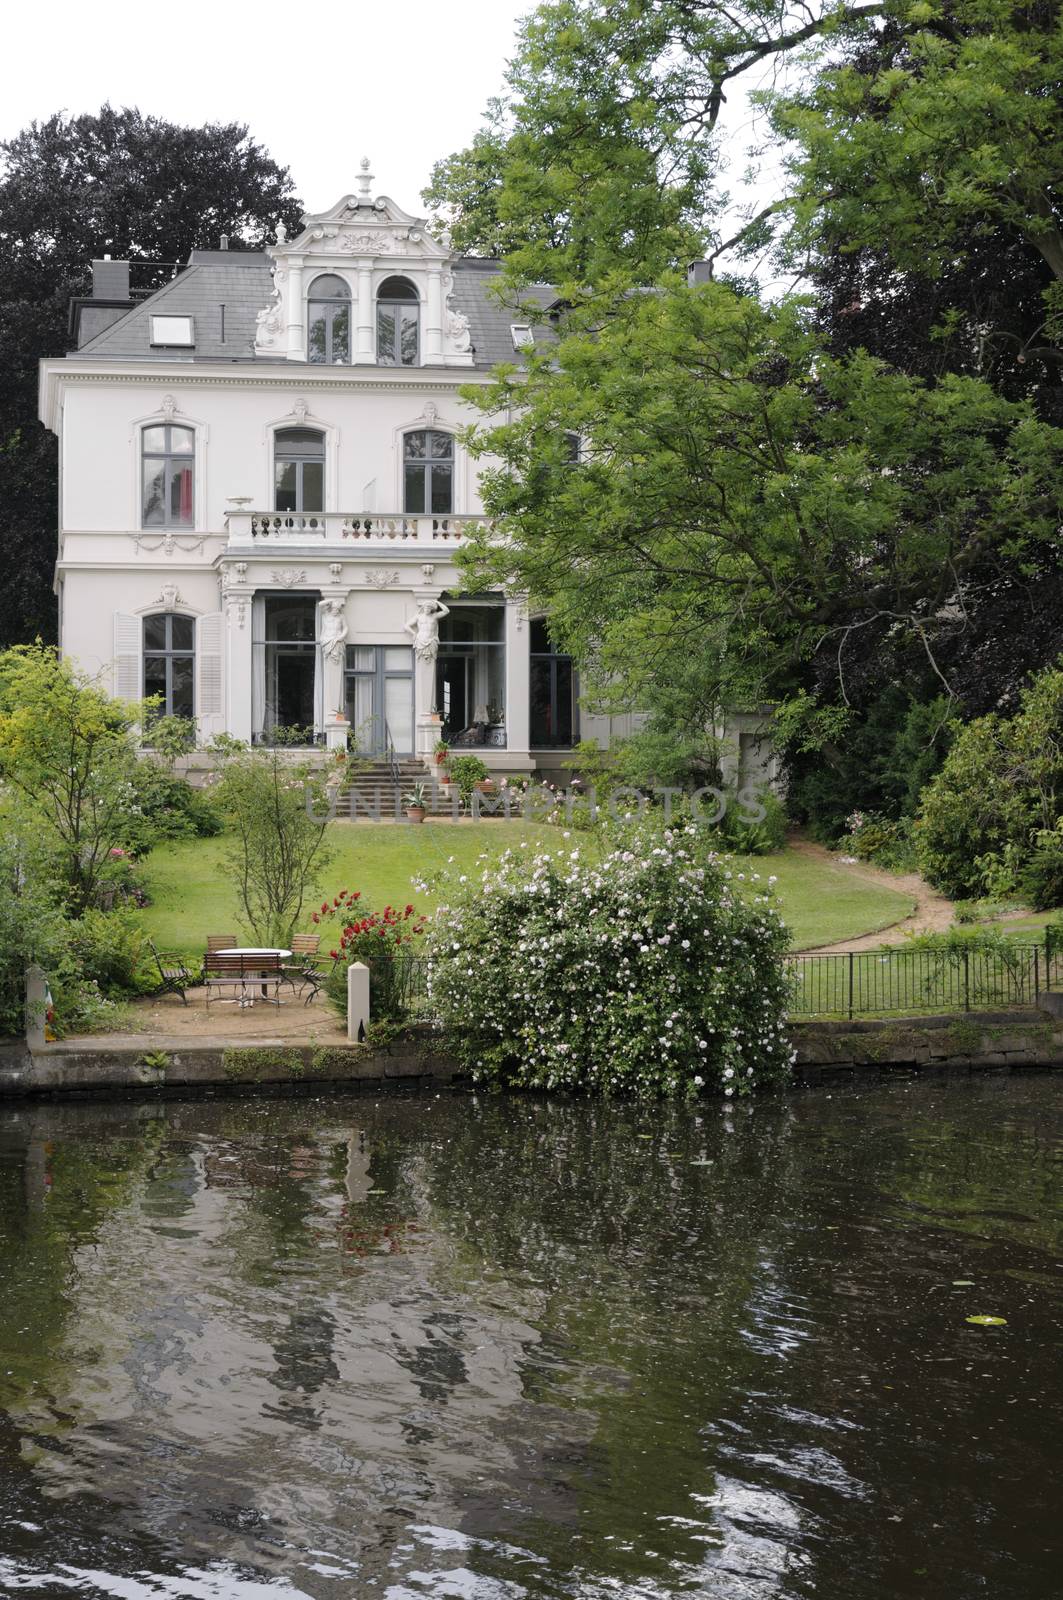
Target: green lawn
192 894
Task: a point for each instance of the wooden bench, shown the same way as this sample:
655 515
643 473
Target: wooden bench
242 978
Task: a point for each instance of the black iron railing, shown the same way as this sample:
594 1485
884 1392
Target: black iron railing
873 982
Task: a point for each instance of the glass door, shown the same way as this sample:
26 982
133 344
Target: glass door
380 698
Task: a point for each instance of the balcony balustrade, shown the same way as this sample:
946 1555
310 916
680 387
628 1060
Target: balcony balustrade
371 529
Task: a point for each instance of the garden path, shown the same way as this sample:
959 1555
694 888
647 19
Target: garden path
933 912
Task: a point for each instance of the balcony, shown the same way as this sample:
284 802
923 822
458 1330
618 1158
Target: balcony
370 530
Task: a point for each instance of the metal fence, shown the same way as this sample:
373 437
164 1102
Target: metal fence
873 982
852 984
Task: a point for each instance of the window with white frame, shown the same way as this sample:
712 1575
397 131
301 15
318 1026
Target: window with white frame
168 466
170 662
428 472
398 324
328 339
299 469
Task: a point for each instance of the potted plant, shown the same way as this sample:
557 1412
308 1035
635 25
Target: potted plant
441 751
414 803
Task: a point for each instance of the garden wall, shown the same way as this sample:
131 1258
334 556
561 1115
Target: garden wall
825 1051
966 1043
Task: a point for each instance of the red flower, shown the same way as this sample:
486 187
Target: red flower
314 917
334 954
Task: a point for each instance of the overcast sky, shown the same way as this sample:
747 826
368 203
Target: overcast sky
320 87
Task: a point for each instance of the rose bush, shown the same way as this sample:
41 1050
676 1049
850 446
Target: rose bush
656 970
384 940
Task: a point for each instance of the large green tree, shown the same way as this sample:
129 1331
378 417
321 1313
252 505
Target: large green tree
73 189
824 508
748 511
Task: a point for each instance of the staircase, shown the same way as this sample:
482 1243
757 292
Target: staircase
375 793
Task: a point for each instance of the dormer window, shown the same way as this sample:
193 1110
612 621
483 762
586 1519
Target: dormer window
398 319
329 321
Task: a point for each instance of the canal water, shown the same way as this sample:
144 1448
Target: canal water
496 1348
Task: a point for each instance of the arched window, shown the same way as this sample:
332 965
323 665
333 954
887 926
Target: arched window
170 662
428 471
398 321
168 464
299 469
329 321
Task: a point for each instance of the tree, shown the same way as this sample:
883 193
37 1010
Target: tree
67 751
73 189
749 516
278 814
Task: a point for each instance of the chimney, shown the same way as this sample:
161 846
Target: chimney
224 242
699 272
108 302
110 279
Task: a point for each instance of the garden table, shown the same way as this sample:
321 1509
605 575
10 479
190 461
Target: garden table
272 958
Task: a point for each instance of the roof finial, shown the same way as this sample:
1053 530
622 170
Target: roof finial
365 178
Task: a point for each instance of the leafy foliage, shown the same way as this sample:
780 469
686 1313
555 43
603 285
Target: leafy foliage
277 813
68 751
645 971
997 799
746 503
73 189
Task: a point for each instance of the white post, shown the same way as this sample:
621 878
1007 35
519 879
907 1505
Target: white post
36 996
357 1000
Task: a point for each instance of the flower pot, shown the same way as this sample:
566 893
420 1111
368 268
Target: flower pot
415 813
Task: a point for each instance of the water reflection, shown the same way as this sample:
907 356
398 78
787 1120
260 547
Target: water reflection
520 1348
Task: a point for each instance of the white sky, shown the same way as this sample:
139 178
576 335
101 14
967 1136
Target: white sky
320 87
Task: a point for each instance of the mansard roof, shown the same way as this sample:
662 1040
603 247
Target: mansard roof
242 282
225 291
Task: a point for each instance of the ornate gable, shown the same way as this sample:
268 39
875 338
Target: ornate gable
362 239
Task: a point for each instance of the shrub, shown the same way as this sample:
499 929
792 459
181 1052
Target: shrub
1041 878
166 807
657 970
466 772
997 797
385 941
108 948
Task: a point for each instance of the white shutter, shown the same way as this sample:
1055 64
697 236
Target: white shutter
209 639
128 680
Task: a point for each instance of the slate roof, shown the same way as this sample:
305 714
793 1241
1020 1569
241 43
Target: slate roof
241 282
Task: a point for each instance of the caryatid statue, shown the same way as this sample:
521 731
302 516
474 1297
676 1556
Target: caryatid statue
424 630
333 640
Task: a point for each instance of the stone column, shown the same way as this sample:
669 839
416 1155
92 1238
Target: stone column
364 353
238 661
518 677
433 324
296 319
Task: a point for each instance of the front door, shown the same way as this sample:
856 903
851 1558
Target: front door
380 698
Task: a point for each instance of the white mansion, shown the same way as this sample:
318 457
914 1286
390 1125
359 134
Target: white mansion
262 494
